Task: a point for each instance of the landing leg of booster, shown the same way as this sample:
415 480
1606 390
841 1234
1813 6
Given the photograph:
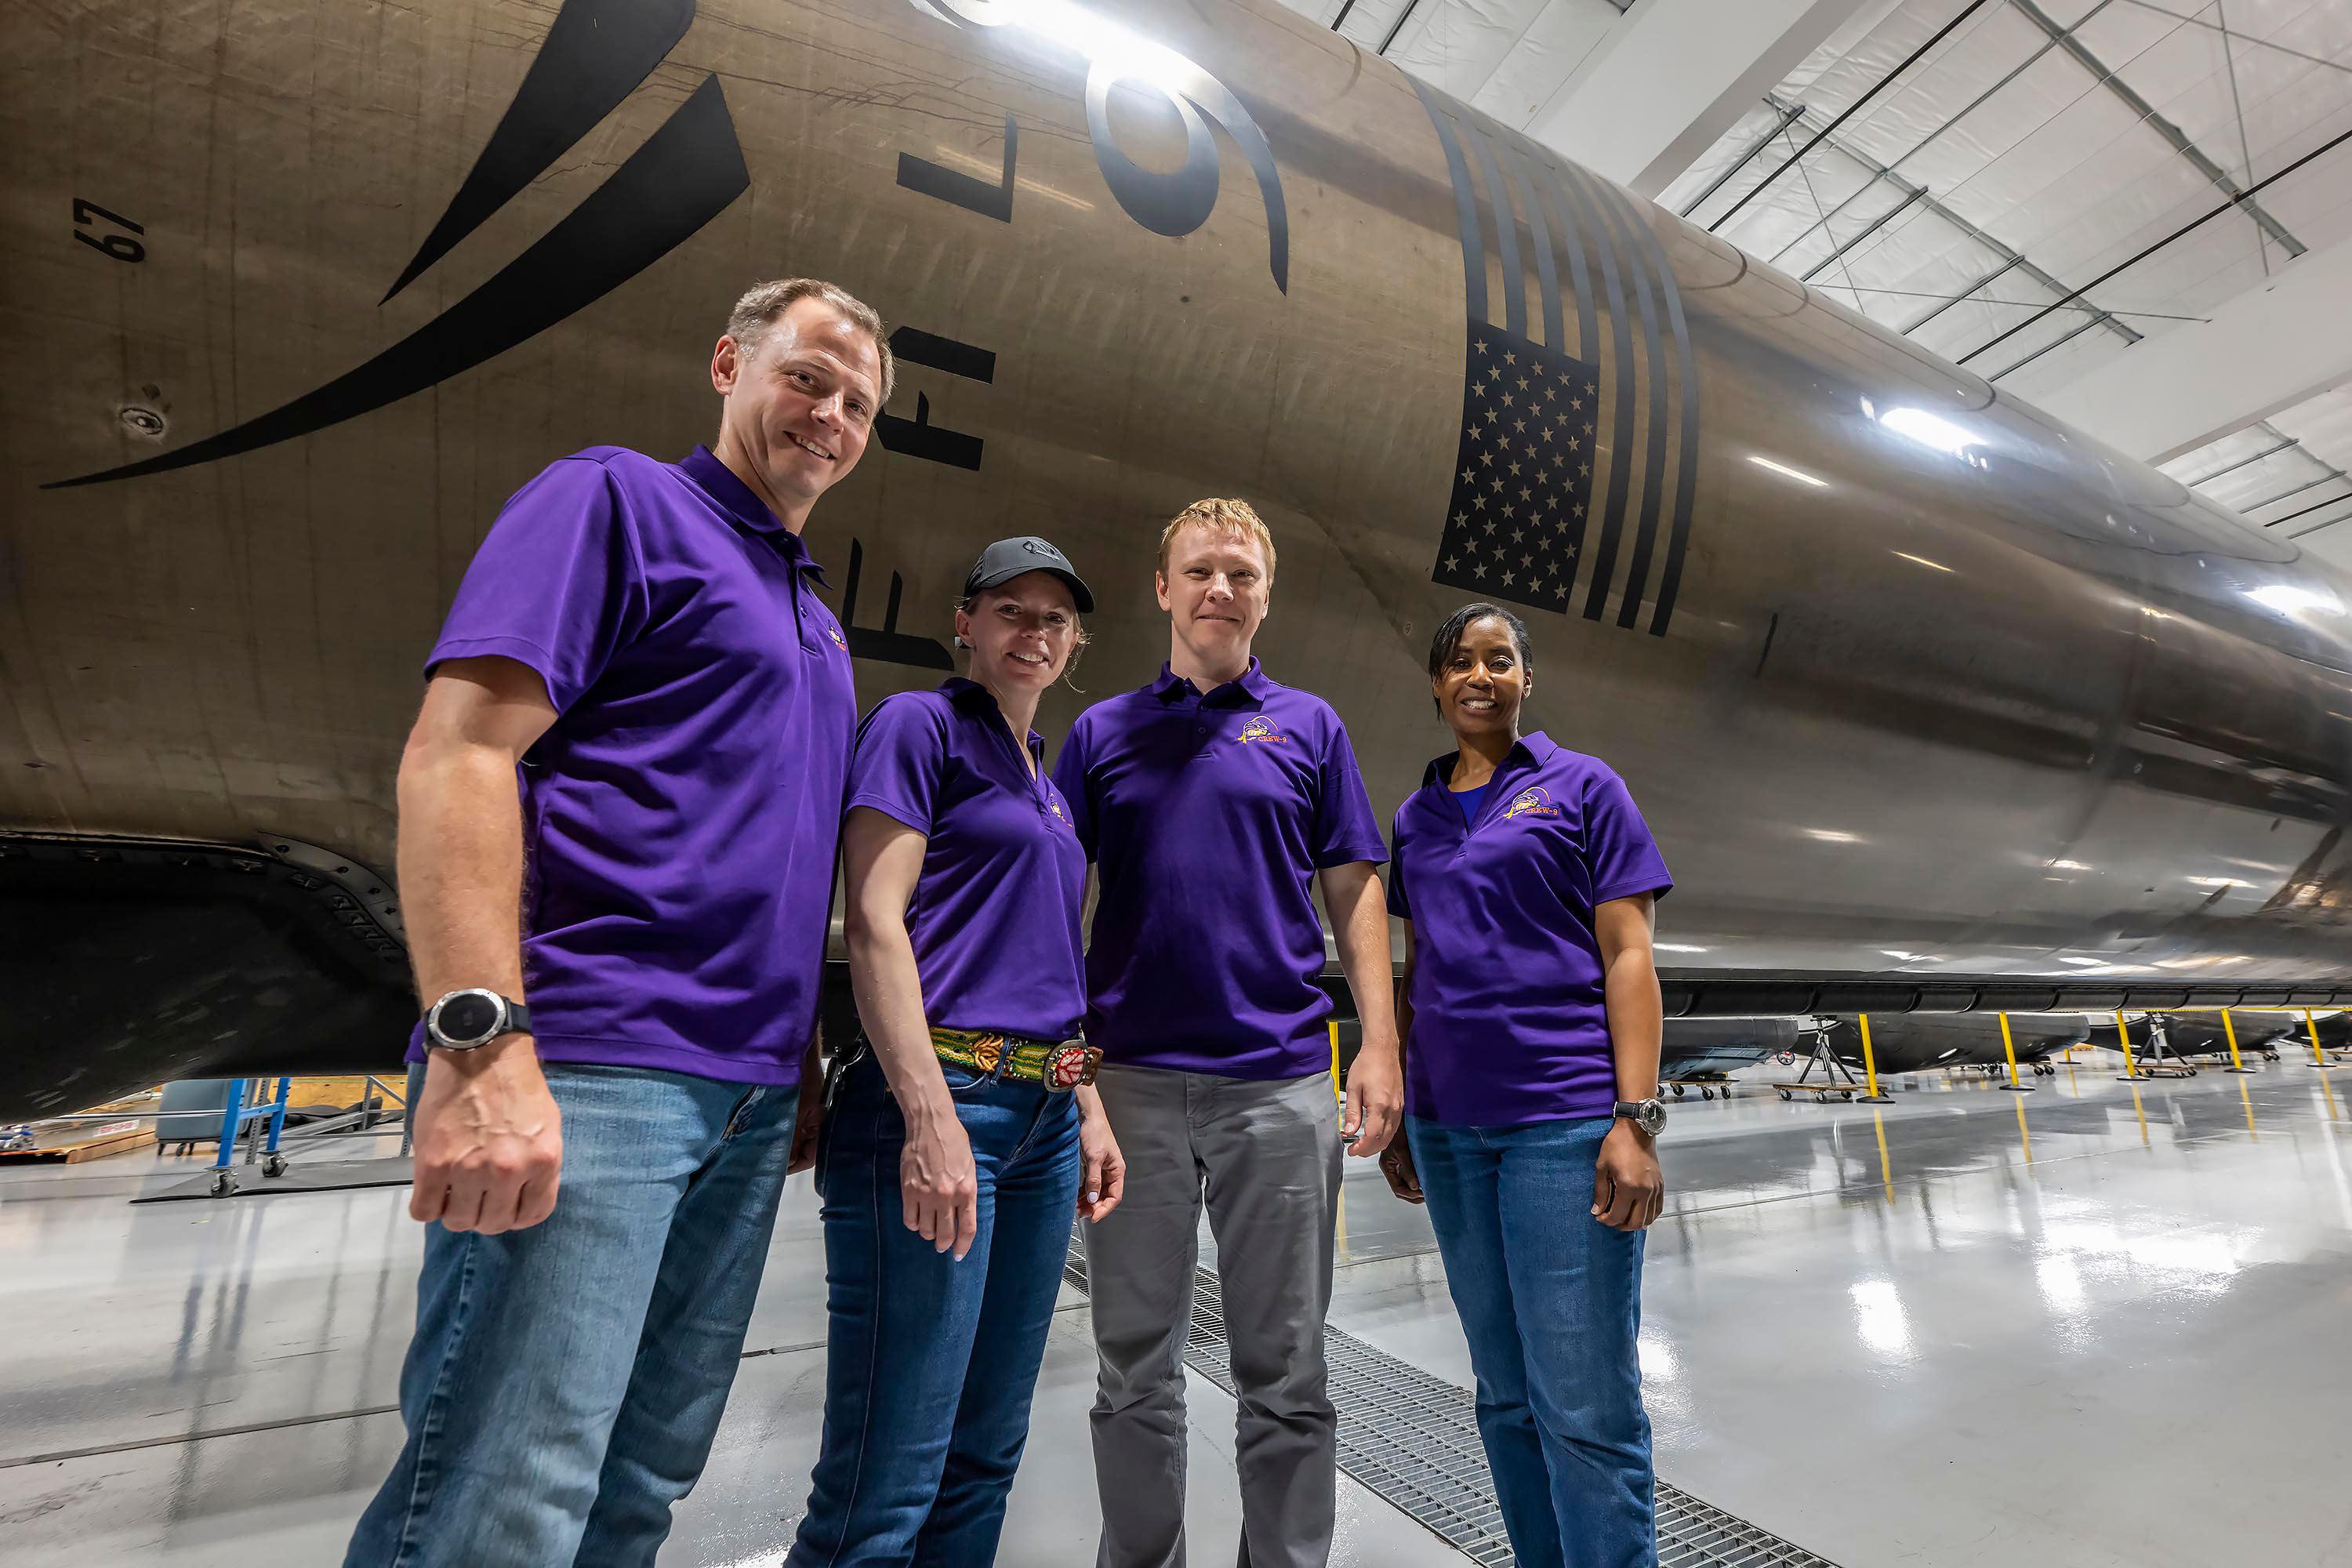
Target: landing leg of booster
2009 1049
2237 1063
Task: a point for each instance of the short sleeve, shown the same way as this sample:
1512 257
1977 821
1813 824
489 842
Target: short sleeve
1622 856
902 750
1070 778
1400 904
556 585
1346 831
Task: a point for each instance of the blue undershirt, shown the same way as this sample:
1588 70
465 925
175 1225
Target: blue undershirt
1469 800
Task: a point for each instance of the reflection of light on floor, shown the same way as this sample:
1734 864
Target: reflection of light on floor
2061 1283
1657 1356
2197 1258
1879 1316
2335 1162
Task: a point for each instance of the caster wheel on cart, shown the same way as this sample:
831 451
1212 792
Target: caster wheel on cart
1786 1094
223 1184
1678 1091
1707 1094
274 1165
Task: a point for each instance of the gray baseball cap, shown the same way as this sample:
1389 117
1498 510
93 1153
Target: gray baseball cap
1009 558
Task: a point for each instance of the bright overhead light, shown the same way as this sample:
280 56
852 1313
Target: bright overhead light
2071 958
1928 429
1782 469
2068 865
1832 835
2286 599
2214 882
1921 561
1677 947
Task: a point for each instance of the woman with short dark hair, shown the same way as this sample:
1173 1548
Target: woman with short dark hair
1531 1015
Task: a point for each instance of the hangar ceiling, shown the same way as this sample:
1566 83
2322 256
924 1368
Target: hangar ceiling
2043 190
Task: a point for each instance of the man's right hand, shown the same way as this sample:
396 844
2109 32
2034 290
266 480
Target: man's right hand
490 1139
937 1181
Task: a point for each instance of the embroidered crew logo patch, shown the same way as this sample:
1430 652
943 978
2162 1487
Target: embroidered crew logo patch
1053 805
1536 801
1262 728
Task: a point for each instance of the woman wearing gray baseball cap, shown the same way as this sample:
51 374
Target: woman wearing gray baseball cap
964 1128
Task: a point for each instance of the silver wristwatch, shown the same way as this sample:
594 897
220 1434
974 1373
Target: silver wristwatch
1649 1115
469 1020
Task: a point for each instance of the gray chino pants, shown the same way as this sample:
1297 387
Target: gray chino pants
1266 1158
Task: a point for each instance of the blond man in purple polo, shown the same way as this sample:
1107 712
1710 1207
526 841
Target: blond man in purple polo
1213 802
639 695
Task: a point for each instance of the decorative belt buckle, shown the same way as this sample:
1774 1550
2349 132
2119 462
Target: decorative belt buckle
1066 1067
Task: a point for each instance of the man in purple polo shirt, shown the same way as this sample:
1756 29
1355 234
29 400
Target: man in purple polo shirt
631 756
1211 801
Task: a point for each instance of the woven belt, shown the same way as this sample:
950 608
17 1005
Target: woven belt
1059 1065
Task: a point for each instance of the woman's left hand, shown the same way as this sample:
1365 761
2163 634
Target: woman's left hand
1628 1189
1102 1175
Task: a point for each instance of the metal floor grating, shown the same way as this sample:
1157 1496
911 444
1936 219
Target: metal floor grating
1413 1438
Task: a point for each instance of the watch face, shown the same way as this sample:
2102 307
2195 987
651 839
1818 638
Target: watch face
469 1017
1653 1117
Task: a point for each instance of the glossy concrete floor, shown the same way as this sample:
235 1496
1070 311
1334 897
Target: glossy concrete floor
2102 1324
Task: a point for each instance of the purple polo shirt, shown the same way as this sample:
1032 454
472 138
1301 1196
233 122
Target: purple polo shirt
681 816
1509 1025
1207 819
994 915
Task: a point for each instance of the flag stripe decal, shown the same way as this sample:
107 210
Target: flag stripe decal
1516 523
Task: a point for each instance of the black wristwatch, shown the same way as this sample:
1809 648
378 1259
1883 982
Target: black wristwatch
468 1020
1649 1115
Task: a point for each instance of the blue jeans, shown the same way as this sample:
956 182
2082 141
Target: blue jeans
1550 1301
564 1381
930 1363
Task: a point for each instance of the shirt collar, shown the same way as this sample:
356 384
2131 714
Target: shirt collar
972 694
1253 682
735 498
1534 749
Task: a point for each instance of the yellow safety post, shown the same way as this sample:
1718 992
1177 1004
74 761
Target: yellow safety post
1870 1069
2131 1073
2009 1048
2237 1064
2311 1027
1886 1168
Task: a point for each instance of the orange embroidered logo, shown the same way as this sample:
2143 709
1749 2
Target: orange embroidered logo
1536 801
1262 728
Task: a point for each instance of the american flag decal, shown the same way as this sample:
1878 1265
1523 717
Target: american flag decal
1576 476
1523 481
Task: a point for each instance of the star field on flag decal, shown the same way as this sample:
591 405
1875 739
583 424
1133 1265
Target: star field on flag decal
1528 469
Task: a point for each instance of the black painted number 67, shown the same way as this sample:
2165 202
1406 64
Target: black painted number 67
120 246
